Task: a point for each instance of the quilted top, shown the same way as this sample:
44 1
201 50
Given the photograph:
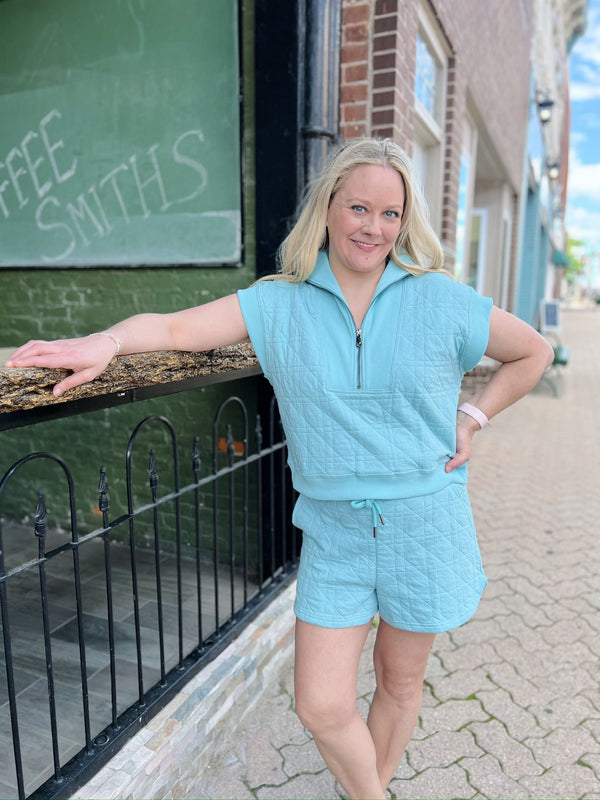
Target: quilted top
376 420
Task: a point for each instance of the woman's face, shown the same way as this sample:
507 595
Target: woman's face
364 220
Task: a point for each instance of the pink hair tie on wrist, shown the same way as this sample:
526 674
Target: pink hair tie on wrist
474 412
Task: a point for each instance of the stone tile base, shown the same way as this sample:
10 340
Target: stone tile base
166 758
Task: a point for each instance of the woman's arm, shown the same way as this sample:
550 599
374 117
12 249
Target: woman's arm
205 327
524 356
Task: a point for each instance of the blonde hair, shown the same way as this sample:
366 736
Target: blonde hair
298 252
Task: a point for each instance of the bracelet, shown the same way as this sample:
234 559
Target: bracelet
115 339
474 412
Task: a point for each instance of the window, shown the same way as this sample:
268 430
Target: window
465 198
427 77
461 216
430 98
478 249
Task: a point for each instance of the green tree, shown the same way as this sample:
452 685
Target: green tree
574 265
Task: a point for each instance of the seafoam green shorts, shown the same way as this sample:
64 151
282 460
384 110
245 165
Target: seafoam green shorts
421 571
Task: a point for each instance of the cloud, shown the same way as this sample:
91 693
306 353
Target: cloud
584 179
585 62
583 224
582 219
581 92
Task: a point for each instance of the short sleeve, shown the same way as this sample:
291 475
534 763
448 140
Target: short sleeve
251 311
478 331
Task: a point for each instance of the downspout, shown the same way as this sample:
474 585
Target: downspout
321 91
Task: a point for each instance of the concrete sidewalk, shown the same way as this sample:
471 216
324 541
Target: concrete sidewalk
512 699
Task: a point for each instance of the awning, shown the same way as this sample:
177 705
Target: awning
560 258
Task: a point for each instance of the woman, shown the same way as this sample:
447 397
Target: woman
365 339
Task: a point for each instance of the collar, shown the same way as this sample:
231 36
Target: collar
323 277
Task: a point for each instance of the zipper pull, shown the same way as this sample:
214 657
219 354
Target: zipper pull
358 346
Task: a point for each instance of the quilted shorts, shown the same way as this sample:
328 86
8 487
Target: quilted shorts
421 572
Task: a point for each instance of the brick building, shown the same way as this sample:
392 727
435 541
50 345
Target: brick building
455 84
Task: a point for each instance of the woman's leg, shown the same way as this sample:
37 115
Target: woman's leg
400 659
325 677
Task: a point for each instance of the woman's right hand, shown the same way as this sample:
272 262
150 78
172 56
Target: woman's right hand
87 357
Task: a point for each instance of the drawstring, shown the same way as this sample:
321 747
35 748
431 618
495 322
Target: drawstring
375 510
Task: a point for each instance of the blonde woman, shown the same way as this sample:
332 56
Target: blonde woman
365 340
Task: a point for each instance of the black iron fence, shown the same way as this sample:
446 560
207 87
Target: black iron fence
100 628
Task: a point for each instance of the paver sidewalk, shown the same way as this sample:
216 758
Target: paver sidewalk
512 698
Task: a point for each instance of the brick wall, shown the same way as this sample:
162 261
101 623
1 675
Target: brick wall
491 42
395 30
355 90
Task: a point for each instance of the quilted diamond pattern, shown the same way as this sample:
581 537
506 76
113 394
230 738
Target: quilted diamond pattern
419 336
421 572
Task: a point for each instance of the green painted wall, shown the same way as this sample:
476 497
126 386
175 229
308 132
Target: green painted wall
58 303
54 303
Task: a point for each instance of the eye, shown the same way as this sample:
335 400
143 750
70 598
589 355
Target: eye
358 209
392 214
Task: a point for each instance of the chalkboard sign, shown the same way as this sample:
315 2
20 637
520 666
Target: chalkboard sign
119 133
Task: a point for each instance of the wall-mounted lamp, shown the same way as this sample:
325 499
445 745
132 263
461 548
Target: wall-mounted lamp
553 168
544 106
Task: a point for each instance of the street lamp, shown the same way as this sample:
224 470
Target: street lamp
544 106
553 168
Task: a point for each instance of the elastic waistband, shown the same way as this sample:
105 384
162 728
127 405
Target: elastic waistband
383 487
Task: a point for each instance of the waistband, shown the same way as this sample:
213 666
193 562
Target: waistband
383 487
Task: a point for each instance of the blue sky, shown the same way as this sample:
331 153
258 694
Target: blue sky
583 189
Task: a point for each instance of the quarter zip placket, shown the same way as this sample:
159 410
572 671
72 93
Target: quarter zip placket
324 279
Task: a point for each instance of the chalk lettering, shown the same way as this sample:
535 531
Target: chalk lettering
155 176
50 148
94 213
14 175
80 214
92 191
33 165
3 205
112 177
49 226
191 163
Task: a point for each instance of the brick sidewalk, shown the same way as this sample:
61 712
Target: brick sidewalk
512 699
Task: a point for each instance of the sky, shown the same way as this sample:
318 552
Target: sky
582 218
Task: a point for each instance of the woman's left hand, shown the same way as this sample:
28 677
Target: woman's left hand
466 426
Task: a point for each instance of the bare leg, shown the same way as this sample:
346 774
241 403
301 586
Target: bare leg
326 674
400 659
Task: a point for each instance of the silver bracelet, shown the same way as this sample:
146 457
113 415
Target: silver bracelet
115 339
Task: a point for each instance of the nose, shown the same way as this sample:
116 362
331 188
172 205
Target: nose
371 225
